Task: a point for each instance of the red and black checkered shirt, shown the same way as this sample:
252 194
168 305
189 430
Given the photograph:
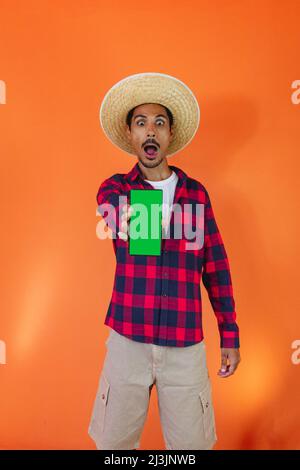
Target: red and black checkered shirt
157 299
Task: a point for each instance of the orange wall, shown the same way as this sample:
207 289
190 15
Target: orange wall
58 59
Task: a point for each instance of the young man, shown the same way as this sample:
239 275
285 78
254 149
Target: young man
155 312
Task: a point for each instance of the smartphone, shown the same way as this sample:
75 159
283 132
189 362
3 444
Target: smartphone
145 228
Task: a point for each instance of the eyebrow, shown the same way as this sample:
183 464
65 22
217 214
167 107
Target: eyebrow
142 115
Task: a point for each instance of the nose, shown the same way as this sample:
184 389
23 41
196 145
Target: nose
150 130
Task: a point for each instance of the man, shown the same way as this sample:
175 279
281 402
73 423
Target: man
155 311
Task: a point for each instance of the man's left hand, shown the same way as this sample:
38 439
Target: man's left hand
233 357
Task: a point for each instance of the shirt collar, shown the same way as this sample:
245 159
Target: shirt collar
136 173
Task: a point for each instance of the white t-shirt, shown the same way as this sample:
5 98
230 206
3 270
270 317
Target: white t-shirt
168 186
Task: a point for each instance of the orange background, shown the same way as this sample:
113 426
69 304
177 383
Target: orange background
58 59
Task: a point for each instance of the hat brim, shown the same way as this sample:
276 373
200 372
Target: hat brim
150 87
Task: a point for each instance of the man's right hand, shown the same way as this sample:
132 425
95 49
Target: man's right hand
127 213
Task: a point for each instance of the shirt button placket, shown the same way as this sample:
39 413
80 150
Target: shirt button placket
164 283
164 286
164 295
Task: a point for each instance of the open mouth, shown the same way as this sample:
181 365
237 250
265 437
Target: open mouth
151 150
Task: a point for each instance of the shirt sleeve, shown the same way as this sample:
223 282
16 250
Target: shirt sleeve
110 202
217 280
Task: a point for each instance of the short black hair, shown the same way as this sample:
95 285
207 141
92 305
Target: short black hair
130 114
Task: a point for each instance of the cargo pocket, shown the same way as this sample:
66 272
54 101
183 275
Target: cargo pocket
100 406
209 426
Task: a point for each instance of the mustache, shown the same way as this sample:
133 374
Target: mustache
150 142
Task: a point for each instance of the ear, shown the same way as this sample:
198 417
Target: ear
128 132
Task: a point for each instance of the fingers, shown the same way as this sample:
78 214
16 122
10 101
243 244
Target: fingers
127 213
228 369
223 362
232 368
123 236
223 372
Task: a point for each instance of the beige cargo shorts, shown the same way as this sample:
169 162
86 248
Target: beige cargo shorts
182 381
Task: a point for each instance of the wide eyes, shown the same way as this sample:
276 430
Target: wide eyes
159 120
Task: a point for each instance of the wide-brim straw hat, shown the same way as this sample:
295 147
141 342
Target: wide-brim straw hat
150 87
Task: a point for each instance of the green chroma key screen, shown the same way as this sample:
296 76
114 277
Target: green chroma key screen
145 229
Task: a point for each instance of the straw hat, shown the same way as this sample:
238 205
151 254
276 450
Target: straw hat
150 87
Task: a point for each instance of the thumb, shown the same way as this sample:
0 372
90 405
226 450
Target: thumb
223 362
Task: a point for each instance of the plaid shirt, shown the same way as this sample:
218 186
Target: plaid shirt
157 299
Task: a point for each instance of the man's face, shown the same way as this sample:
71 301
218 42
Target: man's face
150 124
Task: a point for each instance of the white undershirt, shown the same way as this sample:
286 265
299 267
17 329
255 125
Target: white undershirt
168 186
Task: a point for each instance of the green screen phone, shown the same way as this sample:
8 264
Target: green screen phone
145 228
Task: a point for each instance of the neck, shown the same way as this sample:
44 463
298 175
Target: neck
158 173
